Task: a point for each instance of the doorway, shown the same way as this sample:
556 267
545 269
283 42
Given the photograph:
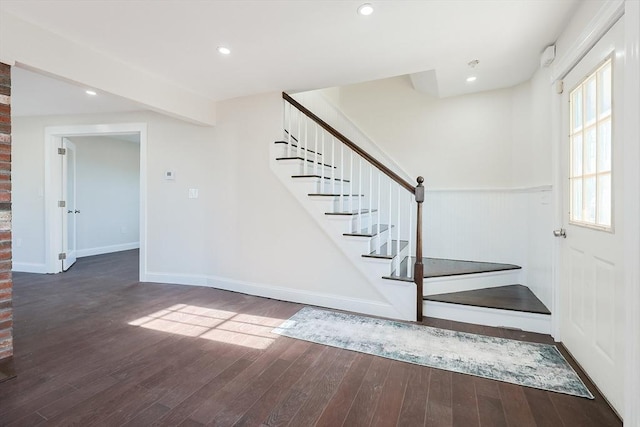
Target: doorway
592 315
58 220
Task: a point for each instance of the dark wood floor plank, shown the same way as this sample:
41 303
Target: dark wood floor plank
490 410
182 411
148 415
337 408
302 367
87 353
361 413
392 395
542 408
287 408
516 408
323 390
225 395
414 405
439 406
464 403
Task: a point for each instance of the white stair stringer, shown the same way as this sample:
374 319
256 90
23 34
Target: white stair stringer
531 322
469 282
400 296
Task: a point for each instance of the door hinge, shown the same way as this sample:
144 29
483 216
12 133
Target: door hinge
62 151
62 256
62 204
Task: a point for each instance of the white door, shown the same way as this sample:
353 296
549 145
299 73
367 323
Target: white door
591 274
70 210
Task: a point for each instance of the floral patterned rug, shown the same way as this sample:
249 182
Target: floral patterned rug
517 362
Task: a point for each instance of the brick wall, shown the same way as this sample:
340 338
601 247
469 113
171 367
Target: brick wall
6 313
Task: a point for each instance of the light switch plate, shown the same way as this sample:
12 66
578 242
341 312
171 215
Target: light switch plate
193 193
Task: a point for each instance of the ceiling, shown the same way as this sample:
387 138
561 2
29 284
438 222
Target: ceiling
302 44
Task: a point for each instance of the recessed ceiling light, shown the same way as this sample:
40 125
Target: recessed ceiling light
471 79
91 92
224 50
365 9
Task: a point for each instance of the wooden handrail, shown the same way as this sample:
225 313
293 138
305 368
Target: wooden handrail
346 141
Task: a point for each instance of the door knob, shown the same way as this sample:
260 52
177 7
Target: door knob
69 211
561 232
77 211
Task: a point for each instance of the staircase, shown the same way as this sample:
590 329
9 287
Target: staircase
370 212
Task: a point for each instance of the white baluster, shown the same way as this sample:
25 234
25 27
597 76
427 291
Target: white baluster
399 224
315 148
333 160
306 146
389 243
322 163
299 144
341 177
289 130
370 192
359 193
379 210
351 180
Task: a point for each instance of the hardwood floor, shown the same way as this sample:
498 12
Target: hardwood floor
93 346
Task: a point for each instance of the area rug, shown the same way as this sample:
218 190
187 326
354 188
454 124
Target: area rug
522 363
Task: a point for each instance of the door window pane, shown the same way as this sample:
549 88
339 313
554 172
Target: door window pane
590 149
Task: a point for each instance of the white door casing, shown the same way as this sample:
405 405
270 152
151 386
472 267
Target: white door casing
53 186
592 313
70 210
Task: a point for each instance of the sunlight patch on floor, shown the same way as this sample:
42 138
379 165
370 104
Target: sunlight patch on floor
247 330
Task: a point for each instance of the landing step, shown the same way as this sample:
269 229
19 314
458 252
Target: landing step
440 267
510 297
354 212
369 232
385 253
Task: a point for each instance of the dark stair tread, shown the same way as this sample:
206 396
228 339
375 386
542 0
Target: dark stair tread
383 252
441 267
318 176
308 160
366 232
510 297
350 213
333 195
294 145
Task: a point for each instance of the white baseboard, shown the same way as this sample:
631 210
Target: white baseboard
532 322
107 249
337 302
29 267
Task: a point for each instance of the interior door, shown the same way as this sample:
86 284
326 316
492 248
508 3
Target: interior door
591 254
70 210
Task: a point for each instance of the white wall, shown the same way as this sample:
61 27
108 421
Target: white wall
107 194
245 232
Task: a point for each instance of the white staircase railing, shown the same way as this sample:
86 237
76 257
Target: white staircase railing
383 204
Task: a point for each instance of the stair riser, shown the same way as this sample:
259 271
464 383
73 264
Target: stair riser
281 151
443 285
530 322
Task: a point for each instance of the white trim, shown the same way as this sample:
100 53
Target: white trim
29 267
631 413
491 190
52 187
532 322
107 249
604 19
319 299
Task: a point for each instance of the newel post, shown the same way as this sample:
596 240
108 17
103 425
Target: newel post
418 268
